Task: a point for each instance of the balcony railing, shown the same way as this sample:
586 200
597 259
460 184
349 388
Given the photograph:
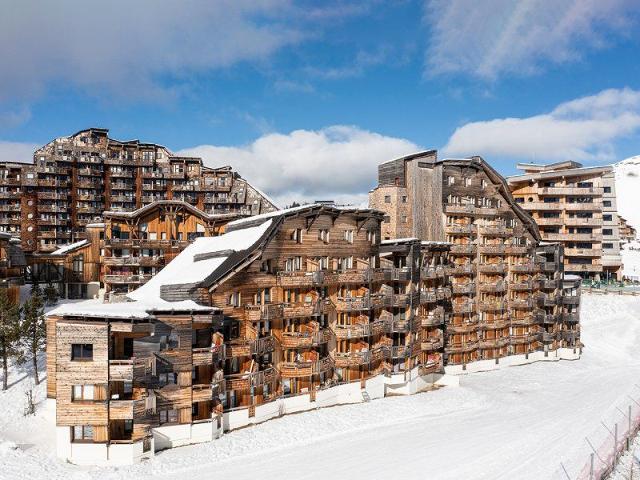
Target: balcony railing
466 249
305 339
305 368
244 381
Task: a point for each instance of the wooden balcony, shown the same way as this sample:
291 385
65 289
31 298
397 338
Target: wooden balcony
495 323
524 339
492 306
522 286
305 339
461 347
457 229
352 304
521 303
300 279
466 327
201 393
466 249
464 307
203 356
126 278
570 317
246 348
433 272
431 344
468 288
432 319
244 381
305 368
525 268
303 309
358 330
496 231
492 249
121 370
428 296
462 270
569 190
493 287
352 359
141 261
492 267
400 325
489 343
456 209
257 313
570 300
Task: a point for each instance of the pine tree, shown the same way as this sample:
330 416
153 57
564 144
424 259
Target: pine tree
50 294
33 331
9 333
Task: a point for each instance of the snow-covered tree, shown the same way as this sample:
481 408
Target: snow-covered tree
32 329
9 333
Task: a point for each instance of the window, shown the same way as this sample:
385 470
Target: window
404 199
451 181
607 245
386 219
404 219
483 183
607 218
82 351
78 264
293 264
323 234
467 182
296 235
82 392
235 299
168 416
387 199
82 433
371 236
607 231
606 203
607 189
519 200
348 236
167 378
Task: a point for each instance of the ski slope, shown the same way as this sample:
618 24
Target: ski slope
519 422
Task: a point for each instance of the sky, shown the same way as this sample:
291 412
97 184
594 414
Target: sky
306 98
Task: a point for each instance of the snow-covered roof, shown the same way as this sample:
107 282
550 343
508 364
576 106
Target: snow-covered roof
67 248
193 265
267 216
391 241
95 225
199 260
427 243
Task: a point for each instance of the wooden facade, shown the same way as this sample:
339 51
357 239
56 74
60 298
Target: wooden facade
497 276
74 179
12 265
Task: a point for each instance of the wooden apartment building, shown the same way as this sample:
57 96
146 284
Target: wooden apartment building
12 265
313 306
576 206
74 180
126 249
496 273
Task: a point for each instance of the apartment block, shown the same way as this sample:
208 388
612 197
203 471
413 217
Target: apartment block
12 265
74 179
627 232
127 249
576 206
497 276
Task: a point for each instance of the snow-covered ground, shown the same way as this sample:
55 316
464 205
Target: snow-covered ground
520 422
627 174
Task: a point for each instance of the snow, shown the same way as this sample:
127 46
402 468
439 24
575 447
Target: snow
630 253
67 248
627 173
184 269
518 422
269 215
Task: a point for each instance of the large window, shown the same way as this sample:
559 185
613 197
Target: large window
82 351
82 392
78 264
82 433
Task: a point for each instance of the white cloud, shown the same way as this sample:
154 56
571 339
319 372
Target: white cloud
493 37
146 49
17 152
335 163
582 129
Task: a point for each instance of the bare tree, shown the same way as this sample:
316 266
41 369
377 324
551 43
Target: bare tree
9 333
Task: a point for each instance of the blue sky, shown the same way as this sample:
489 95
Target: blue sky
305 98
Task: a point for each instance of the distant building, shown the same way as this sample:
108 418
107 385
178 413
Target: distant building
576 206
74 179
